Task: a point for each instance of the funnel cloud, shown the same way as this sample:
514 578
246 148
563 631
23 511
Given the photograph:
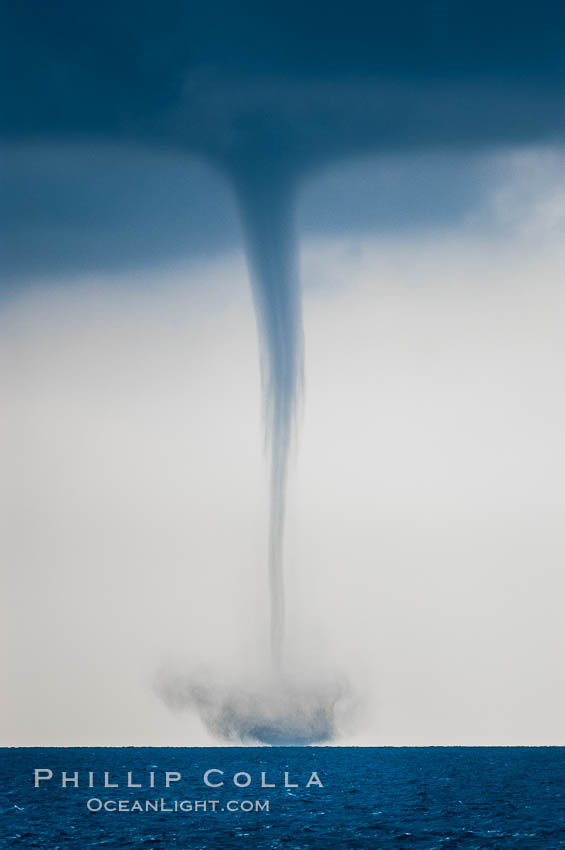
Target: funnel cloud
267 213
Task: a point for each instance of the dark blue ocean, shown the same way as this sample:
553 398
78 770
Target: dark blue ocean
432 798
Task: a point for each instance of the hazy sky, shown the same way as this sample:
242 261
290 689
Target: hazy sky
425 541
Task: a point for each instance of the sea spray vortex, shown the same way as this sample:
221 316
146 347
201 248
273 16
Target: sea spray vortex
275 709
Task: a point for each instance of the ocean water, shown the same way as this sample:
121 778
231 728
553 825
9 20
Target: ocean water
432 798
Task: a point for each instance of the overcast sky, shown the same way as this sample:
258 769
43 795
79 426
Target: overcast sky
425 541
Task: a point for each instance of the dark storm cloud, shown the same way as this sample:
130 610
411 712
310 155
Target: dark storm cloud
263 92
97 67
70 209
